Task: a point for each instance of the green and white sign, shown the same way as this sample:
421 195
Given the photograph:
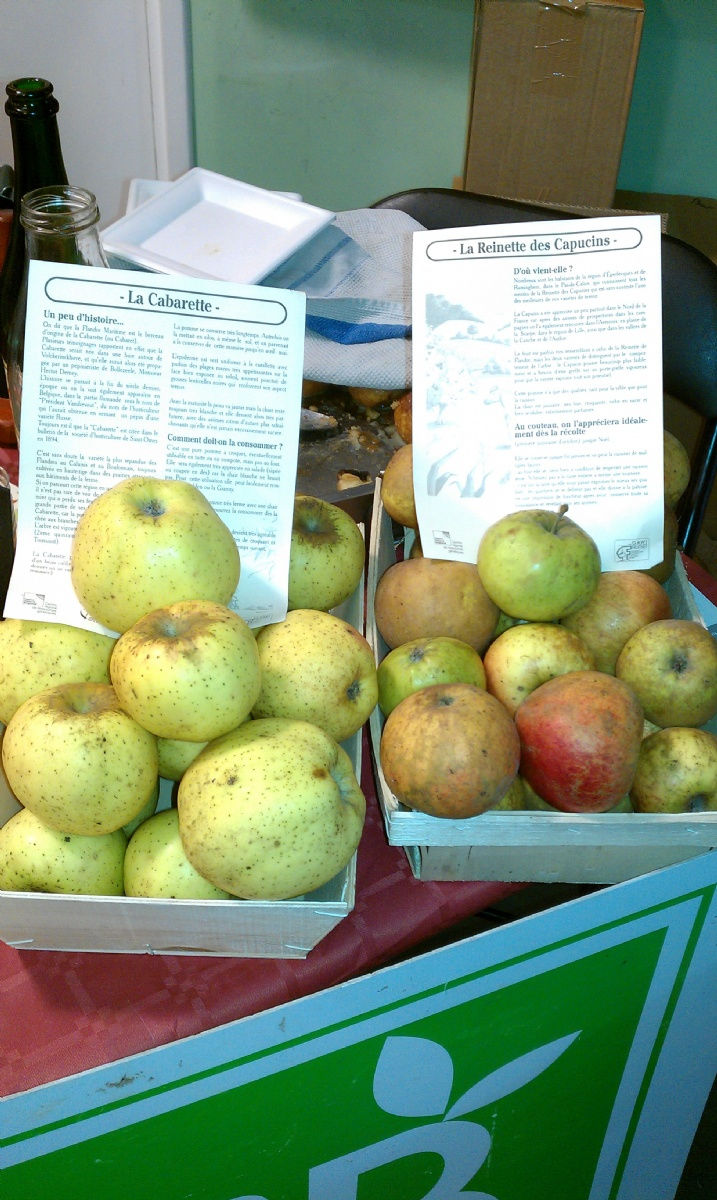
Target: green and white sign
566 1055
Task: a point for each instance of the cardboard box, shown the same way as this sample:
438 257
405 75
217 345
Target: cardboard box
135 925
550 92
535 847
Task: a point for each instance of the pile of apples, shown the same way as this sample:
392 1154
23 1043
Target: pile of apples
534 680
248 723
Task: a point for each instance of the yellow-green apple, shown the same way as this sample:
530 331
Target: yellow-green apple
514 799
425 661
36 858
526 655
39 654
450 750
188 671
676 468
672 667
271 810
144 813
155 863
580 736
430 597
326 554
397 493
175 756
145 543
622 603
316 667
75 758
676 772
538 565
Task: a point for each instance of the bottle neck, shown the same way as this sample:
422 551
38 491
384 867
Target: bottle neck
37 153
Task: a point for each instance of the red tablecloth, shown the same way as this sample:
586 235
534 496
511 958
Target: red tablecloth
61 1013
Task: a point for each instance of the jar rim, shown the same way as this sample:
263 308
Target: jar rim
57 208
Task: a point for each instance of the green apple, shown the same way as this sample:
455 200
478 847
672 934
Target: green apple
155 864
422 662
188 671
175 756
676 772
36 858
144 813
326 555
526 655
316 667
671 666
676 468
271 810
78 761
622 603
145 543
538 565
39 654
514 799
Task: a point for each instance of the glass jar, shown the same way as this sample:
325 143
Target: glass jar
61 225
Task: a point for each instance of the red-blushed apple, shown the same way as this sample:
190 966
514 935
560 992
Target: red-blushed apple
316 667
672 667
425 661
538 565
533 802
676 772
326 555
188 671
145 543
622 603
580 737
429 597
526 655
450 750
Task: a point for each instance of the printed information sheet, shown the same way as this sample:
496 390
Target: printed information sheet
128 373
537 382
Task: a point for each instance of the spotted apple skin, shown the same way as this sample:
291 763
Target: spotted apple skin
580 737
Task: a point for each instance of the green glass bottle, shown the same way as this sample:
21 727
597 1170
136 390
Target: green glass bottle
32 108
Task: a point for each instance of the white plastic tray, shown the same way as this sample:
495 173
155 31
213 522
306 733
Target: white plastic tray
534 847
213 227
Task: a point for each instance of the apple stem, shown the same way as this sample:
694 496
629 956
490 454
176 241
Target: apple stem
558 517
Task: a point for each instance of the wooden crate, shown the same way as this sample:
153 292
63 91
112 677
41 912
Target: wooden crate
135 925
536 846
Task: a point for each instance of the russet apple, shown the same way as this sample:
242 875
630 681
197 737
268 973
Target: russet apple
450 750
145 543
397 495
188 671
326 555
672 667
528 654
425 661
271 810
430 597
580 737
622 603
156 865
316 667
39 654
676 772
403 416
36 858
538 565
76 759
